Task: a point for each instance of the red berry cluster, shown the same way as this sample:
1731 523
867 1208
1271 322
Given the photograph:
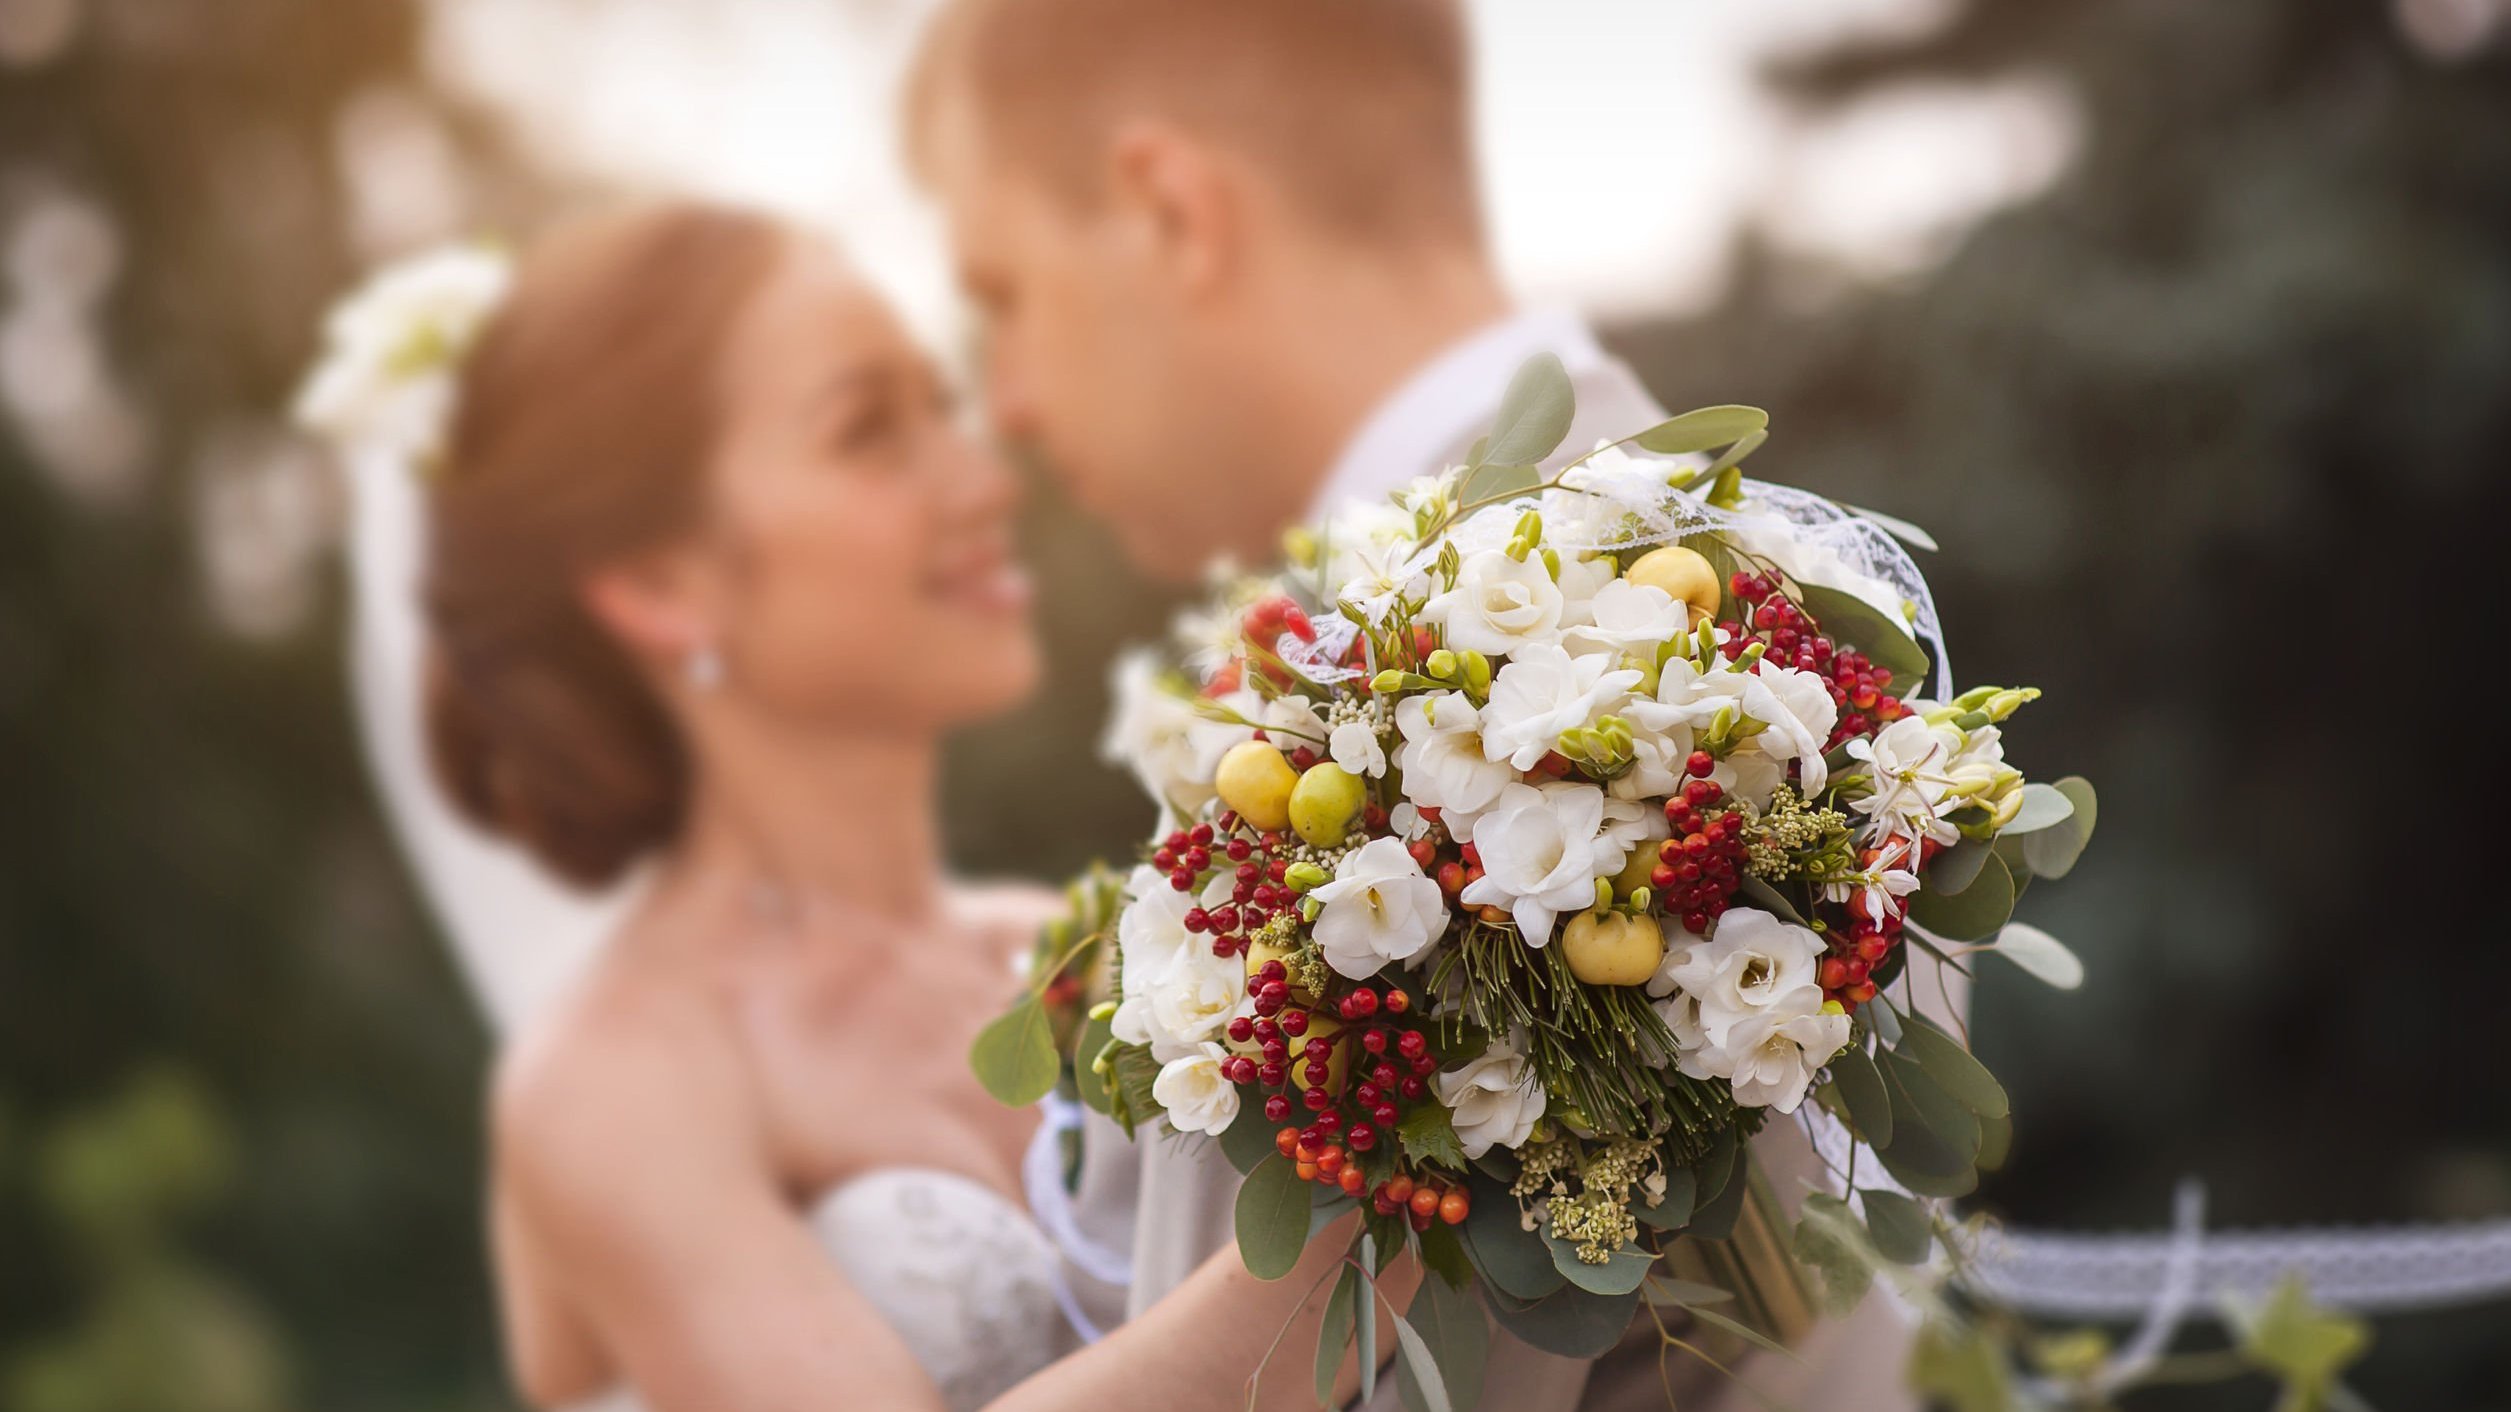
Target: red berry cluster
1263 624
1421 1202
1859 943
1790 637
1699 869
1258 862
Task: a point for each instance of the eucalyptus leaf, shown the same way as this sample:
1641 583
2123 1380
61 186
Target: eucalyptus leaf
1895 526
1714 1218
1534 415
1974 913
1956 868
1493 483
1443 1252
1852 620
1335 1335
1885 1019
1744 1331
1620 1273
1093 1090
1572 1323
1831 1241
1954 1068
1771 900
2052 852
1732 457
1996 1138
1900 1228
1861 1088
1938 1111
1450 1324
1272 1218
1673 1210
2043 806
1248 1139
1014 1055
1703 428
1414 1365
1510 1257
1921 1160
1717 1167
1364 1325
2041 955
1665 1290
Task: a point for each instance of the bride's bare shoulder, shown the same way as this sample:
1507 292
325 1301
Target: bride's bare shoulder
628 1062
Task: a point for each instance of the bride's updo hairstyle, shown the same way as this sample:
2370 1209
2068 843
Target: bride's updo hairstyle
587 413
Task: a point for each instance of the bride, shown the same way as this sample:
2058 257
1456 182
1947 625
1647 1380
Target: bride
709 574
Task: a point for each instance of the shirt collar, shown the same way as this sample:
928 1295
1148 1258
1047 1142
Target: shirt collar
1458 389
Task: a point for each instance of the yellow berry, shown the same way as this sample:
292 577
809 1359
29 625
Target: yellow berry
1255 780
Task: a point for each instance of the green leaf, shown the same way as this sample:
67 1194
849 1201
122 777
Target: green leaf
1956 868
1898 528
2303 1344
1847 618
1720 1163
1744 1331
1572 1323
1830 1241
1918 1157
1938 1112
1682 1294
1732 457
1094 1091
1272 1218
1673 1210
1534 415
2044 806
2052 852
1443 1251
1448 1323
1014 1056
1861 1088
1902 1233
1248 1139
1510 1257
1620 1273
1428 1134
1773 901
1973 914
1958 1365
1335 1335
1885 1019
1996 1138
1703 428
2042 956
1492 483
1714 1218
1365 1324
1956 1069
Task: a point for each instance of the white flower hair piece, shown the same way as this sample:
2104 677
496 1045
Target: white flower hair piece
393 350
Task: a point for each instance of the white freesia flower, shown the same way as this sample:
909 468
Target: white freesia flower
1797 713
1542 850
1878 888
393 353
1156 733
1582 580
1494 1098
1907 763
1371 558
1354 746
1498 605
1543 691
1689 697
1748 960
1773 1054
1191 1088
1176 992
1636 618
1193 998
1443 759
1379 908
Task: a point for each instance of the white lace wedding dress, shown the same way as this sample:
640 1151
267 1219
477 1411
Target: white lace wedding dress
961 1273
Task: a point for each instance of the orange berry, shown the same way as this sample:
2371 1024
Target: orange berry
1330 1161
1455 1206
1303 1153
1398 1188
1425 1201
1397 1002
1307 1171
1286 1140
1353 1180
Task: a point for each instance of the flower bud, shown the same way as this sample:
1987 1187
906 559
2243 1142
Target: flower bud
1442 664
1552 563
1386 681
1604 894
1104 1010
1304 877
1477 672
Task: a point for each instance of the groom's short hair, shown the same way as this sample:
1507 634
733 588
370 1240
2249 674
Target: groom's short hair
1359 109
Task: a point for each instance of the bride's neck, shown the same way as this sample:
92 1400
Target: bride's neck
827 817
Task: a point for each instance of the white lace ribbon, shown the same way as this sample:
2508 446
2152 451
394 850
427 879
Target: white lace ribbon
1050 1205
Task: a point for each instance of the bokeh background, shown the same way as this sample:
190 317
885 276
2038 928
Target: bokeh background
2185 326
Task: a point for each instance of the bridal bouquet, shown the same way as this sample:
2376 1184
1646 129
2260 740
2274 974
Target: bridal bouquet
1531 842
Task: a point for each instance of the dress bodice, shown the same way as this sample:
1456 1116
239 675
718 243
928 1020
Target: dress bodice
962 1274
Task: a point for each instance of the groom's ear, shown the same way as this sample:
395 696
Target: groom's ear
1182 200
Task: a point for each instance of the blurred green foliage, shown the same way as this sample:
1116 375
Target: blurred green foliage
2214 434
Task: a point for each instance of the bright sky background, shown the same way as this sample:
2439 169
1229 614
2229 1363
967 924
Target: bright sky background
1626 140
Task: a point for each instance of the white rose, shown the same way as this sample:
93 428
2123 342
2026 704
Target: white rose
1196 1097
1355 747
1158 735
1494 1099
1773 1054
1193 997
1380 907
1543 691
1626 617
1444 763
1498 605
1151 937
1542 850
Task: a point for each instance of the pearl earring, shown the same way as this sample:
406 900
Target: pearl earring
703 667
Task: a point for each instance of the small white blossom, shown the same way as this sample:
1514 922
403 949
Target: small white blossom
1444 762
1379 908
1494 1098
1626 617
1197 1098
1354 746
1170 747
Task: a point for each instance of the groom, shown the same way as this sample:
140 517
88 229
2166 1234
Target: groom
1232 267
